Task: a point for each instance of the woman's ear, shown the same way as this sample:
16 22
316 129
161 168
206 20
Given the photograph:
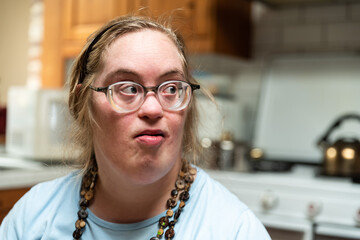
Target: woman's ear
78 87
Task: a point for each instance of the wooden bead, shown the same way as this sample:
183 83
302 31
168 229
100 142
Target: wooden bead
169 213
80 224
164 222
171 203
180 184
82 214
77 234
83 202
160 232
83 192
192 171
89 195
170 233
184 196
177 214
181 174
189 178
182 204
174 193
87 182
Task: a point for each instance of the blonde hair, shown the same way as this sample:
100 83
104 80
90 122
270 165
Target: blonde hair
90 61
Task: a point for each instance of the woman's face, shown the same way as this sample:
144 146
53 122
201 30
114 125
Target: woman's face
142 146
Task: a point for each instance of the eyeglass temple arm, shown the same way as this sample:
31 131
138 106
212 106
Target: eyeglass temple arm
194 87
99 89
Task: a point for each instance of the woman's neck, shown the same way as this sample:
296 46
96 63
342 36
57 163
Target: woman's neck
117 200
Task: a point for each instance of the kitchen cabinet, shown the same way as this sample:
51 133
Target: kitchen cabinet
192 18
67 25
8 197
82 17
208 26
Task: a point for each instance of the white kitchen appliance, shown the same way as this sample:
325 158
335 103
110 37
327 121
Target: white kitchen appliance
301 96
298 205
37 123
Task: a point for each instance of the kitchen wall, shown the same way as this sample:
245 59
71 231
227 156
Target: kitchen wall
307 29
241 81
310 28
14 25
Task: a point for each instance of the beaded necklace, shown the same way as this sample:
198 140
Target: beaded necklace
181 191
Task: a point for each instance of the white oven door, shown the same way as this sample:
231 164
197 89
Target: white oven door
327 231
287 228
285 234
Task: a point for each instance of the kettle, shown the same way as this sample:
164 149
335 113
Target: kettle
340 157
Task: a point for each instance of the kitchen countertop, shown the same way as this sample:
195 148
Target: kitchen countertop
18 173
20 178
299 176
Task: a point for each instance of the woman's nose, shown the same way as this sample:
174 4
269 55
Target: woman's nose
151 107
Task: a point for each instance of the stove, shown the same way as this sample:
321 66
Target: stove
298 205
299 99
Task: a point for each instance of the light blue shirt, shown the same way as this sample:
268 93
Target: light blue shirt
49 211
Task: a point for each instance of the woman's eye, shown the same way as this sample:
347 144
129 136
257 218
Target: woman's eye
129 89
172 89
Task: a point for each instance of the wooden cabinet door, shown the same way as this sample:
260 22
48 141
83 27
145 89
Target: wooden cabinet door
83 17
190 17
67 25
187 15
208 26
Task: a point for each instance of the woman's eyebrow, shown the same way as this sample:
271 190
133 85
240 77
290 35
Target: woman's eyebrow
174 72
129 73
119 72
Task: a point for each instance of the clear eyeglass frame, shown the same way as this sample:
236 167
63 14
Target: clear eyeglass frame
128 96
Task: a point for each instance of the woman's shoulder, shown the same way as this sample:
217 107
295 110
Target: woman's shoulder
40 205
216 191
51 192
212 201
213 196
56 185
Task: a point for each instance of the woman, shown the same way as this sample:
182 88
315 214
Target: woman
131 98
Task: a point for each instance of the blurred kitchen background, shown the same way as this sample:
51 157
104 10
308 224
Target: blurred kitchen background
285 75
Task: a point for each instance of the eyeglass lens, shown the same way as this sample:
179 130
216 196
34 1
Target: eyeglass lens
129 96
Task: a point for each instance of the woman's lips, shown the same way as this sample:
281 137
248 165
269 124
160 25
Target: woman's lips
150 137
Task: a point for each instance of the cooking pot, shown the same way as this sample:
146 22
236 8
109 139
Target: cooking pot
342 156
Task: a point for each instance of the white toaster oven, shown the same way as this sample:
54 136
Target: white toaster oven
37 123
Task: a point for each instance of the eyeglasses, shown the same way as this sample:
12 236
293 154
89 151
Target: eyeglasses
125 97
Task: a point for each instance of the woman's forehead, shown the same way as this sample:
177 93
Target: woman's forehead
143 42
146 52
